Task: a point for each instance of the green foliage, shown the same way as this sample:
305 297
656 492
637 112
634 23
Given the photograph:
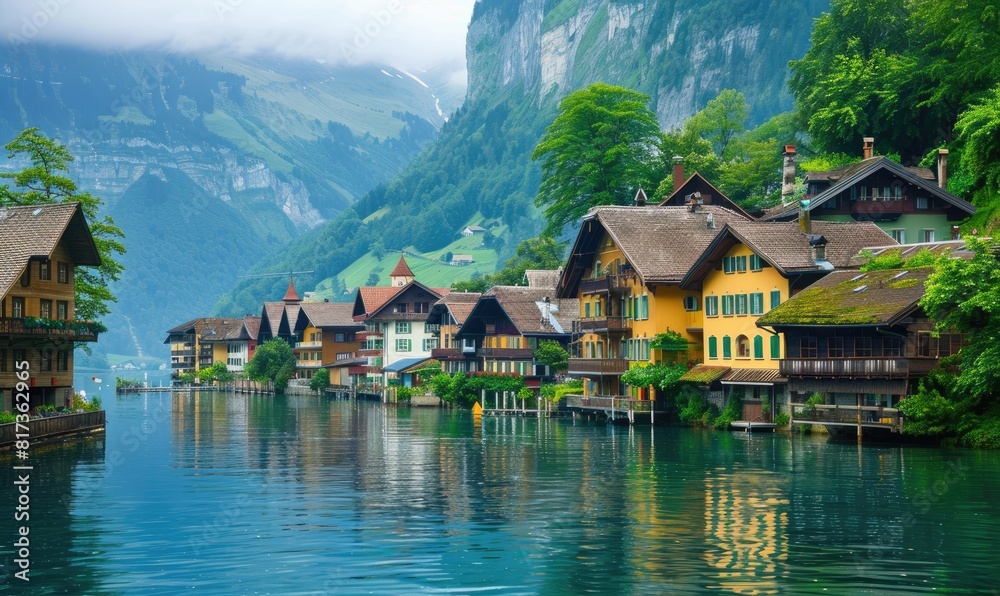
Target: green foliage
320 380
43 183
661 376
78 326
464 390
187 377
552 353
121 383
721 120
782 419
542 252
405 394
273 361
555 392
731 413
596 152
694 409
79 403
816 399
979 133
7 417
426 373
669 341
217 372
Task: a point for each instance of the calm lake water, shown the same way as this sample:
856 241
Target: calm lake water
303 495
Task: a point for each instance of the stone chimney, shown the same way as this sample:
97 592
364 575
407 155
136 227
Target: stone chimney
678 172
942 164
788 175
805 221
869 147
640 198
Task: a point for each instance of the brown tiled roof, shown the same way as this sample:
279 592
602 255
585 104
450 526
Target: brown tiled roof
785 246
273 312
691 185
736 376
662 243
402 269
219 329
524 306
253 326
852 298
35 231
374 298
955 248
330 314
186 327
543 278
842 172
459 304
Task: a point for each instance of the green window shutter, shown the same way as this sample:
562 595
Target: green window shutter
586 310
775 298
758 347
757 303
645 306
713 347
775 347
727 347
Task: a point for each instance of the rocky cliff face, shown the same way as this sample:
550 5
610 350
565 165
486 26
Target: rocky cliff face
681 54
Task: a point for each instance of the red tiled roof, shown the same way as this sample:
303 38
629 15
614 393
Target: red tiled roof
329 314
291 295
402 269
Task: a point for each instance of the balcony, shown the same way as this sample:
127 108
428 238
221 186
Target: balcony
450 354
344 356
507 353
597 366
618 282
868 368
308 345
432 328
865 416
370 351
366 333
49 329
603 325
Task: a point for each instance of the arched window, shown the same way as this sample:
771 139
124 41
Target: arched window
690 303
742 347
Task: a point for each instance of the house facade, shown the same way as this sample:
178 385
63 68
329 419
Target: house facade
41 246
200 343
625 268
450 314
328 334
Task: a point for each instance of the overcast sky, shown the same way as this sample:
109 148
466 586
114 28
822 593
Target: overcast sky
405 33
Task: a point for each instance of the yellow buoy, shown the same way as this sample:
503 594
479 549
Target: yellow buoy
477 410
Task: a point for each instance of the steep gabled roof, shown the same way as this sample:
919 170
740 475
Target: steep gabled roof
698 183
850 175
290 294
401 269
525 307
458 304
846 298
252 325
371 298
660 243
543 278
34 231
327 315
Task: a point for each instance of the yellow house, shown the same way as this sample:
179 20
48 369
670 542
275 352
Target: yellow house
326 335
625 267
748 269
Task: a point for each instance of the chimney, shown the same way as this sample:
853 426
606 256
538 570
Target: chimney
942 163
678 172
640 198
788 175
710 221
805 223
869 147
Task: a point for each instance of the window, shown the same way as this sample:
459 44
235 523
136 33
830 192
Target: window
644 306
690 303
757 303
45 309
713 347
62 309
775 298
927 235
920 203
17 307
711 306
3 308
400 308
741 264
430 343
808 347
734 264
46 360
44 270
424 307
836 347
586 310
892 347
742 347
727 347
728 305
19 356
402 327
862 347
63 273
597 308
775 347
403 345
758 347
741 304
62 360
756 263
899 235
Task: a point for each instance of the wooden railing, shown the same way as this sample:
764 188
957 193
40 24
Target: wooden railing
54 426
447 354
608 402
872 416
893 368
15 326
518 353
597 324
601 366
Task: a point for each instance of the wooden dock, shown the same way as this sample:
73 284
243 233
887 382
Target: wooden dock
614 408
52 428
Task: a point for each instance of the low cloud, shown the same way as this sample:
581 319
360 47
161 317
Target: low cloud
406 33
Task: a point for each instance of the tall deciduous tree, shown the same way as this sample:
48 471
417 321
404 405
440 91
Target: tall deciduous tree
721 120
597 151
273 361
43 182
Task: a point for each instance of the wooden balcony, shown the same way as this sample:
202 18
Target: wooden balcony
603 325
865 368
300 345
870 416
597 366
507 353
450 354
618 282
15 327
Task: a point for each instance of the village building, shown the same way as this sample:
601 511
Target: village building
450 314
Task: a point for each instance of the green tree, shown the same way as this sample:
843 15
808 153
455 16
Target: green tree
320 381
273 361
979 132
551 353
722 120
43 182
597 151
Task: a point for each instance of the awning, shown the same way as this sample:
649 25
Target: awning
704 373
753 376
343 363
402 365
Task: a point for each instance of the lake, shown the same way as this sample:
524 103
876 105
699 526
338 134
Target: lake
236 494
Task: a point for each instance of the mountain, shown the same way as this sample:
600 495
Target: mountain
208 165
522 58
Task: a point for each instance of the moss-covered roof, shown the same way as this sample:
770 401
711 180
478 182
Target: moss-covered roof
852 298
704 373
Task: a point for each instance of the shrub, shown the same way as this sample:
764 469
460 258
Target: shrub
782 419
404 394
731 413
7 417
694 409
